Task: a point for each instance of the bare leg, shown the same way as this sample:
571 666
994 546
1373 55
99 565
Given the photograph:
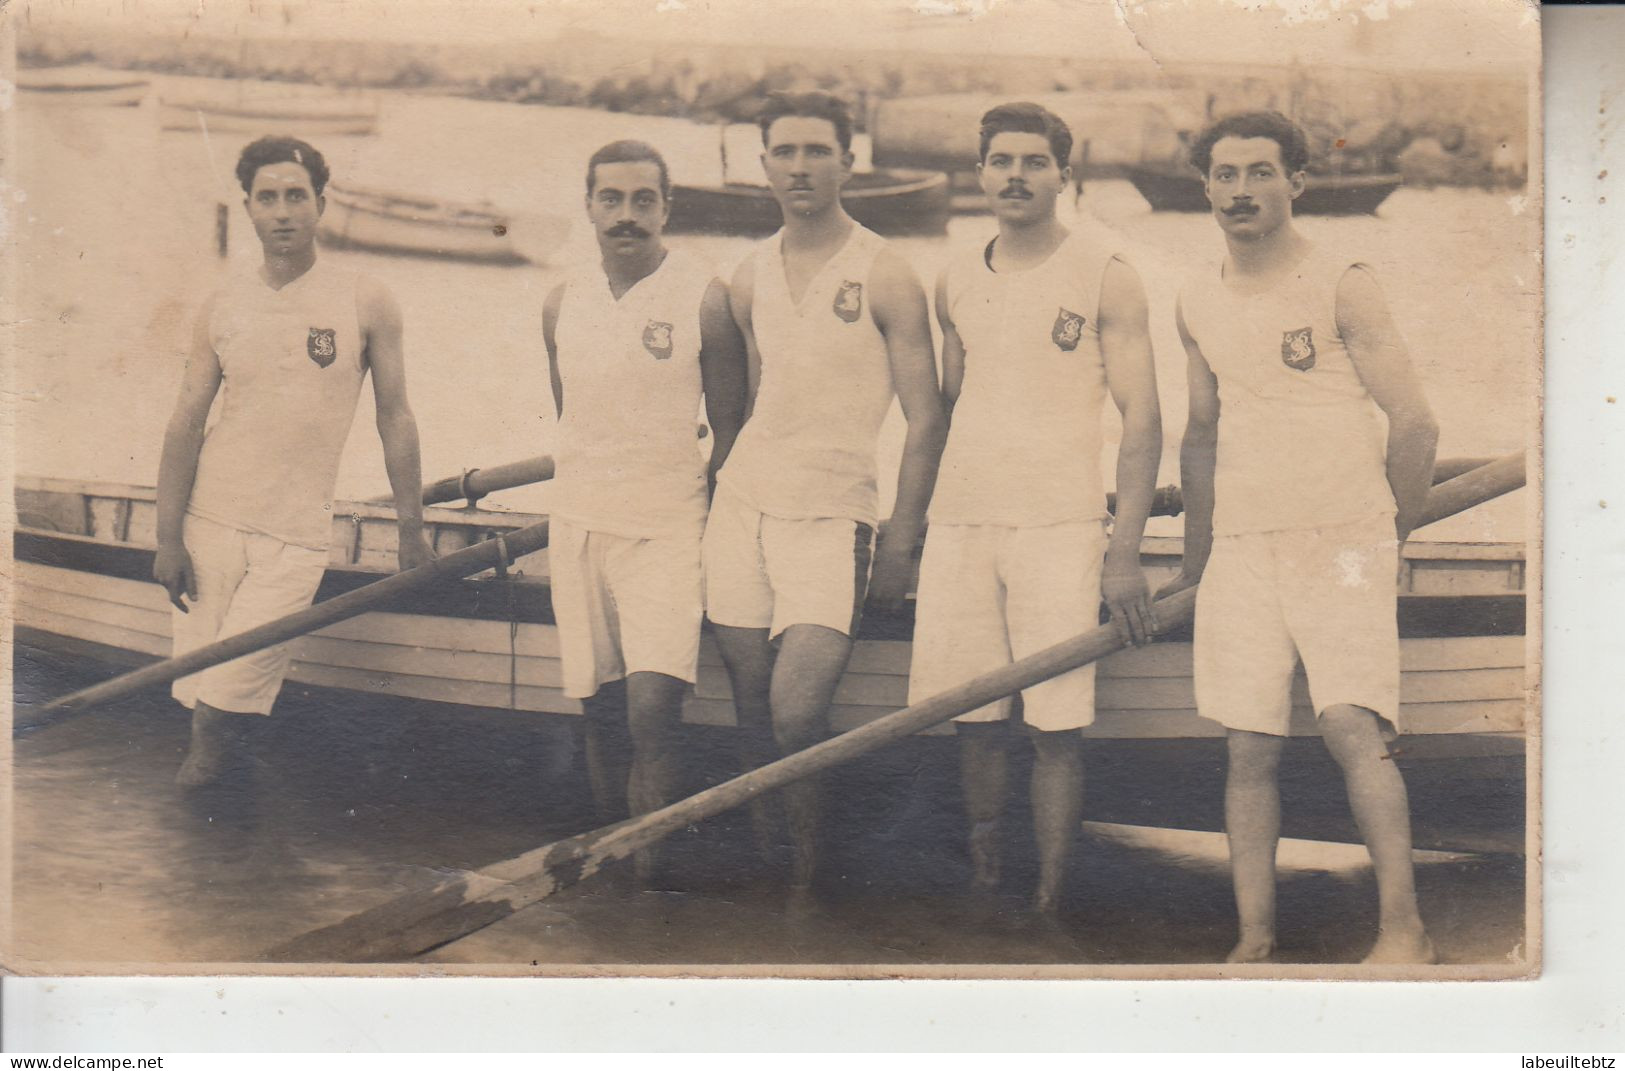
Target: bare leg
984 768
219 742
1057 790
809 666
1252 821
608 762
654 704
1382 811
748 656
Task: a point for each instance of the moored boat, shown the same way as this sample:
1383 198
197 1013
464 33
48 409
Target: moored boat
83 554
295 115
890 202
1175 187
82 84
383 221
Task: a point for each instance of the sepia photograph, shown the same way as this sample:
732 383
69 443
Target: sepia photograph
894 489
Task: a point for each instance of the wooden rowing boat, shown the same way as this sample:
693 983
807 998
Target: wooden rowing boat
888 202
81 84
1175 187
83 555
295 115
406 224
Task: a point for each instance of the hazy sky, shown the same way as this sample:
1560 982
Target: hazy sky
1409 33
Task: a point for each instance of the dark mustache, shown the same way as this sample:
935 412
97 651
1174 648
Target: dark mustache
1016 189
626 230
1240 208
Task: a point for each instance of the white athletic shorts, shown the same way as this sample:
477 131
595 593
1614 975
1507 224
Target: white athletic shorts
991 594
1326 596
244 579
772 572
623 606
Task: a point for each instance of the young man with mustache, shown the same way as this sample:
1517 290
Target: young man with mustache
1038 326
633 344
836 324
1306 463
245 511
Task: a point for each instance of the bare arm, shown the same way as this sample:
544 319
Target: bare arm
177 466
1384 366
724 371
1131 375
899 309
1198 457
550 325
740 293
953 349
397 428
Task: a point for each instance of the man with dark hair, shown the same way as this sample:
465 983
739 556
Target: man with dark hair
1038 326
633 342
836 324
1296 504
244 512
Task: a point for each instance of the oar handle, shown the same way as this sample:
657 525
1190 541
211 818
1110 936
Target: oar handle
472 559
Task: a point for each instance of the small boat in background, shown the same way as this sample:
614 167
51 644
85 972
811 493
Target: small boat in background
1174 186
297 115
82 84
414 225
890 202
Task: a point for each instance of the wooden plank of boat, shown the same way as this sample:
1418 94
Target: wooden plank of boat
891 202
1175 187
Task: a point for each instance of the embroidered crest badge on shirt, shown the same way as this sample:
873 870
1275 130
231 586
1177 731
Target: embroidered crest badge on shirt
1298 349
849 301
322 346
1068 330
657 339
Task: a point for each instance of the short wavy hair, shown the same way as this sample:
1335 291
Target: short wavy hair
814 105
275 150
1025 117
629 152
1273 125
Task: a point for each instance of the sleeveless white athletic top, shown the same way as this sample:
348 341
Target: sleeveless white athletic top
1025 440
1301 443
808 449
293 364
627 457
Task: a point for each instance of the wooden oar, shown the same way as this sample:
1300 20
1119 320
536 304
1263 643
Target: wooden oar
462 903
473 559
475 484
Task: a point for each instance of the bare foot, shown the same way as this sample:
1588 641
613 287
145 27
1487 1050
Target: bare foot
1409 944
985 855
1253 948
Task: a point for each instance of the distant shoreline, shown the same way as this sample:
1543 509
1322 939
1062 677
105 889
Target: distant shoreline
1454 127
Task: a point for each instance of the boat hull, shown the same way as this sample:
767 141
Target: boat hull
292 119
887 202
83 568
1169 190
401 225
81 86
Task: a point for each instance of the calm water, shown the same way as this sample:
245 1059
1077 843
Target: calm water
116 227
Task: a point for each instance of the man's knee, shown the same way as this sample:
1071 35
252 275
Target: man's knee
1064 745
1253 756
1351 731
